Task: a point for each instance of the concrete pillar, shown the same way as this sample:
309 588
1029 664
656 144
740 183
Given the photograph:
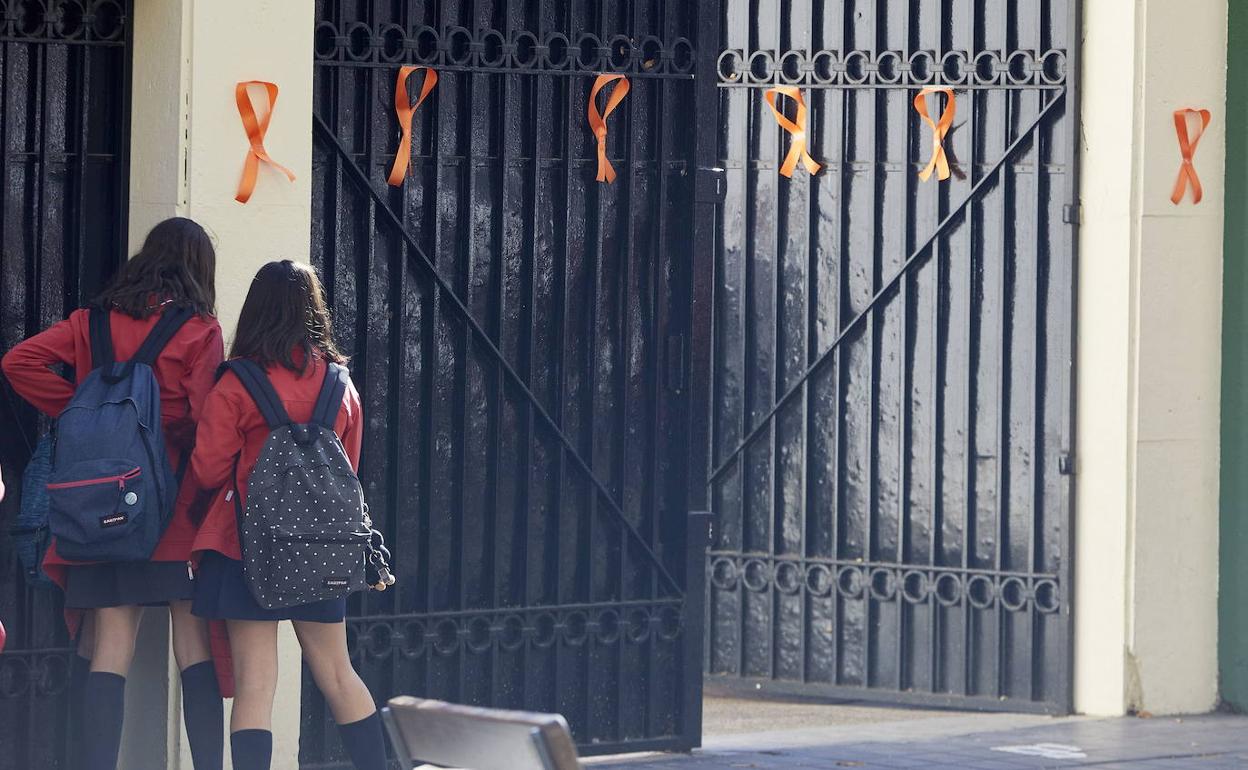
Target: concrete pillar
187 152
1148 362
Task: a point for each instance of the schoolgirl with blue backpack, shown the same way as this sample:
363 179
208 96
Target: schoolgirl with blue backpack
287 535
144 355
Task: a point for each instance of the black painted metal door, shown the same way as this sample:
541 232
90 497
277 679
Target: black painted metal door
64 138
519 333
892 367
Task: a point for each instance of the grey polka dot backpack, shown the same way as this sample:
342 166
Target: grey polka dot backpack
304 532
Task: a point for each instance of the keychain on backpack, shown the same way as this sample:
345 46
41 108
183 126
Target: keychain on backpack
377 568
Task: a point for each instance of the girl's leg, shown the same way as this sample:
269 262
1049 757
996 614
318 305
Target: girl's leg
104 694
325 651
202 708
253 644
79 667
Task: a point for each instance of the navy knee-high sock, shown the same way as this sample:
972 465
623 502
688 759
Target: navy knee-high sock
204 714
365 743
103 704
79 667
251 749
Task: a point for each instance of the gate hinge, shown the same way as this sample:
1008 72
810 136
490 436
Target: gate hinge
1071 214
710 185
1066 463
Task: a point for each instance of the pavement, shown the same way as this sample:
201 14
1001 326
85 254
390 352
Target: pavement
830 737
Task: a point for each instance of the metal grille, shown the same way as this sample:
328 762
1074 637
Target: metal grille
892 366
518 331
64 137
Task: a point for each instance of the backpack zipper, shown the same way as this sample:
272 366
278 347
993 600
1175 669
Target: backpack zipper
121 481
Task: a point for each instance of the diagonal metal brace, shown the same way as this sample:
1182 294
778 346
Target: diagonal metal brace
422 260
889 286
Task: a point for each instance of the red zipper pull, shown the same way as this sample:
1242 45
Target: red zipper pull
134 474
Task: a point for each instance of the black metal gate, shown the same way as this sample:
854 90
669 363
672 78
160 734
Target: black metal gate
892 367
64 139
520 334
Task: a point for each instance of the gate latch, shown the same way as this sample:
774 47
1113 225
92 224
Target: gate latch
710 185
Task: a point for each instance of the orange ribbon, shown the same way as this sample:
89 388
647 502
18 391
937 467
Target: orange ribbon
939 162
798 129
598 123
256 129
1187 147
404 109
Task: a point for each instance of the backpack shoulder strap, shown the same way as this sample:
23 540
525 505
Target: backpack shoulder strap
333 387
101 338
260 388
170 322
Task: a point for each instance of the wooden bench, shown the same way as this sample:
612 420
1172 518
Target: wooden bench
450 735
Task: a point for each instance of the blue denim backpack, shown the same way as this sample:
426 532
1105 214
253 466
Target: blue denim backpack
30 533
112 489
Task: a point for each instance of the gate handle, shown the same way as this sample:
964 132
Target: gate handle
404 109
256 129
798 149
939 161
1187 148
598 122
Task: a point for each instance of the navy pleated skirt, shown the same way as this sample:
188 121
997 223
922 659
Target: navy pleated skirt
148 583
221 593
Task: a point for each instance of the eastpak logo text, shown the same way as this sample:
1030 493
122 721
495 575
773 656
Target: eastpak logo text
333 582
113 520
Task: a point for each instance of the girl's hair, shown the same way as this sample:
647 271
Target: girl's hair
177 265
284 310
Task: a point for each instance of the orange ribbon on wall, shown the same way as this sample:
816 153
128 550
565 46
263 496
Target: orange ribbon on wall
1187 147
798 149
404 109
256 129
939 161
598 122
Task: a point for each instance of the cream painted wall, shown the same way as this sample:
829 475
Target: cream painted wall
1149 362
187 153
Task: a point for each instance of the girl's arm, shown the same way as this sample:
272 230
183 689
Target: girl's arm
353 434
200 376
27 367
218 438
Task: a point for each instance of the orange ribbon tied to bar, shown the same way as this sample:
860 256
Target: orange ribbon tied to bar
256 129
798 149
404 109
598 122
939 161
1187 147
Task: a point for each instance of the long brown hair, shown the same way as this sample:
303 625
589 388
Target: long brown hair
177 264
284 310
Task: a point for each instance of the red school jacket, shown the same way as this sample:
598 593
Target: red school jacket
232 432
184 370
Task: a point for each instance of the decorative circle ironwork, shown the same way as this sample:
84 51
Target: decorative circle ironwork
888 67
32 18
37 674
883 584
824 66
575 628
988 67
819 580
378 640
954 69
947 588
793 66
756 576
788 577
638 625
480 635
729 66
669 623
922 67
558 52
1045 596
608 627
446 636
1053 67
544 629
620 53
107 20
914 586
525 53
359 41
493 49
850 582
412 643
761 66
682 59
1013 594
981 591
511 633
856 67
69 20
724 574
425 44
458 43
1020 67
